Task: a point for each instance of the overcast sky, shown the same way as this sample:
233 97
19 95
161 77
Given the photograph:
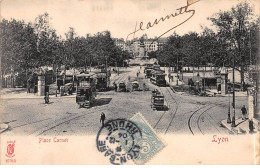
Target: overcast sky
117 16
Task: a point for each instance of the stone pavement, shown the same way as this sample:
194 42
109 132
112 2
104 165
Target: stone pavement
242 126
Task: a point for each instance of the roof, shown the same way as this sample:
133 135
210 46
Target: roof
162 40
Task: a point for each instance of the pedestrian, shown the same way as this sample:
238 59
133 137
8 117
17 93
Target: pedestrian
102 118
28 86
35 89
115 87
70 90
219 88
144 86
47 98
189 82
244 112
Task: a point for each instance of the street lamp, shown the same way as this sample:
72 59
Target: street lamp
229 91
177 69
234 111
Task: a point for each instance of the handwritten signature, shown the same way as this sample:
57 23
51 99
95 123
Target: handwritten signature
178 12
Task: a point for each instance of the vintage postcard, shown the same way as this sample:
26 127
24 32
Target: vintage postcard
129 82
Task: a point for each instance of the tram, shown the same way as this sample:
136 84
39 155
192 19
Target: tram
158 78
157 100
148 73
103 81
86 90
148 70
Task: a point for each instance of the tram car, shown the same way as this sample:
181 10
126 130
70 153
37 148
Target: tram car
148 73
135 86
103 81
157 100
156 67
148 66
158 78
122 87
86 90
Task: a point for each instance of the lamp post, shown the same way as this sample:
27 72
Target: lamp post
234 111
106 73
229 91
56 81
177 69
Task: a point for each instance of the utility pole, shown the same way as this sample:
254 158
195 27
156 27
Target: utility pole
182 67
234 111
250 50
177 69
56 80
106 72
229 90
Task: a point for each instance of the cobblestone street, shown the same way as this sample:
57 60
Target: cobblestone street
187 114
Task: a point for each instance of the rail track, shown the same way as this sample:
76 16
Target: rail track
167 91
195 118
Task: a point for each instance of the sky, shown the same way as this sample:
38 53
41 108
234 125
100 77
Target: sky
120 17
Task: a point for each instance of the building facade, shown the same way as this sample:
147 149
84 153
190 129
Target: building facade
137 44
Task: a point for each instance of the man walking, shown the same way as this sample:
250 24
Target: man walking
115 87
102 118
47 98
244 112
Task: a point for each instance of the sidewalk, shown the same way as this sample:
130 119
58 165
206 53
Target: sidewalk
242 126
25 95
238 94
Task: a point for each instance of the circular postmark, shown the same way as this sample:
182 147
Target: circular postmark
117 140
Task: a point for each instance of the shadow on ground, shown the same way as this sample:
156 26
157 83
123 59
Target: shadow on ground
102 101
164 108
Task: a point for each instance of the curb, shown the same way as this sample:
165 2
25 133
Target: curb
3 127
237 128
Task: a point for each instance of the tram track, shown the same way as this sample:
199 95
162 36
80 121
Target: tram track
193 121
120 78
176 109
63 120
172 113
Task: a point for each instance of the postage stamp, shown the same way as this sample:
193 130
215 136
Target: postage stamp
118 141
122 140
150 143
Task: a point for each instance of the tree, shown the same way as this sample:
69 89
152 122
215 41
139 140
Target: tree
152 54
47 41
18 47
233 27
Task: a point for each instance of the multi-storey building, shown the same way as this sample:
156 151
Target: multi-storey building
120 43
161 42
133 46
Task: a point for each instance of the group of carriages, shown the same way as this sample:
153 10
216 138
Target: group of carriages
135 86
